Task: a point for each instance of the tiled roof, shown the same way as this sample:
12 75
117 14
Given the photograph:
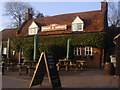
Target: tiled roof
93 20
8 33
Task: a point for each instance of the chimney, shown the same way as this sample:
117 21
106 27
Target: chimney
104 9
28 14
104 5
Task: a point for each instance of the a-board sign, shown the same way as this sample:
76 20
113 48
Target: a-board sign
46 63
39 72
52 71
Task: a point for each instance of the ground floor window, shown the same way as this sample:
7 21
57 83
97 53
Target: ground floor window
5 50
88 50
82 51
13 52
77 51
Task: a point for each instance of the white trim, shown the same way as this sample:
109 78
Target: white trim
76 23
77 20
89 49
33 29
13 52
5 50
33 25
76 50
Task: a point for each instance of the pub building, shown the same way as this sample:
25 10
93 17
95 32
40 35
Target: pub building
84 29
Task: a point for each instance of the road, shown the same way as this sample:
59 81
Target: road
11 82
81 79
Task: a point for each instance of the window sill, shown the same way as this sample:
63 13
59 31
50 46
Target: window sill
88 56
78 31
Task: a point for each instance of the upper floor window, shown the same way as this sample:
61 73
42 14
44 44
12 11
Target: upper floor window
33 29
88 50
77 51
77 27
77 24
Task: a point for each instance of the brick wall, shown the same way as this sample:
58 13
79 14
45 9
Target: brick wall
97 59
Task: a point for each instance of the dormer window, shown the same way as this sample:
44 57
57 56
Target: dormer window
33 29
77 24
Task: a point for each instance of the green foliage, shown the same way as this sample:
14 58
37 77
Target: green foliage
24 43
57 44
87 39
16 44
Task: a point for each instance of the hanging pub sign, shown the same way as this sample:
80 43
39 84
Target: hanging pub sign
53 27
46 63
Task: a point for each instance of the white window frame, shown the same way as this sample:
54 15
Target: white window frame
13 52
77 51
79 28
77 24
33 31
75 27
89 50
5 50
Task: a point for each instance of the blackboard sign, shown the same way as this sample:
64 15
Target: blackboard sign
52 71
39 72
46 63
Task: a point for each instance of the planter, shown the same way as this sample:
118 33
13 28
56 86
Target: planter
109 69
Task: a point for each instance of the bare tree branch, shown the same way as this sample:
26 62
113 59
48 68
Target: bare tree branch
16 10
114 13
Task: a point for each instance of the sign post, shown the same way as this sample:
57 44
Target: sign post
46 63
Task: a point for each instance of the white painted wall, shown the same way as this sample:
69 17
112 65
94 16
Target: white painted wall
77 20
33 25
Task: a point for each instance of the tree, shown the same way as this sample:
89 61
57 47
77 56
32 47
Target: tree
114 13
38 14
16 11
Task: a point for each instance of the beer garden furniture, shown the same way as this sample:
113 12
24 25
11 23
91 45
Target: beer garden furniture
68 63
81 63
62 63
23 67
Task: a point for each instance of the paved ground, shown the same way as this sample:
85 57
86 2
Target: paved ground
80 79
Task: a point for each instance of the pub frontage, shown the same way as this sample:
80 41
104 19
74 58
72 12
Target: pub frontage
85 32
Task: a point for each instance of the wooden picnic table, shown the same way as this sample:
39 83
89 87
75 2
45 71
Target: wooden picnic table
28 69
69 63
81 63
65 63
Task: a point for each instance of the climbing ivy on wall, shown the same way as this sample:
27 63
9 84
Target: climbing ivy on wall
88 39
56 44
